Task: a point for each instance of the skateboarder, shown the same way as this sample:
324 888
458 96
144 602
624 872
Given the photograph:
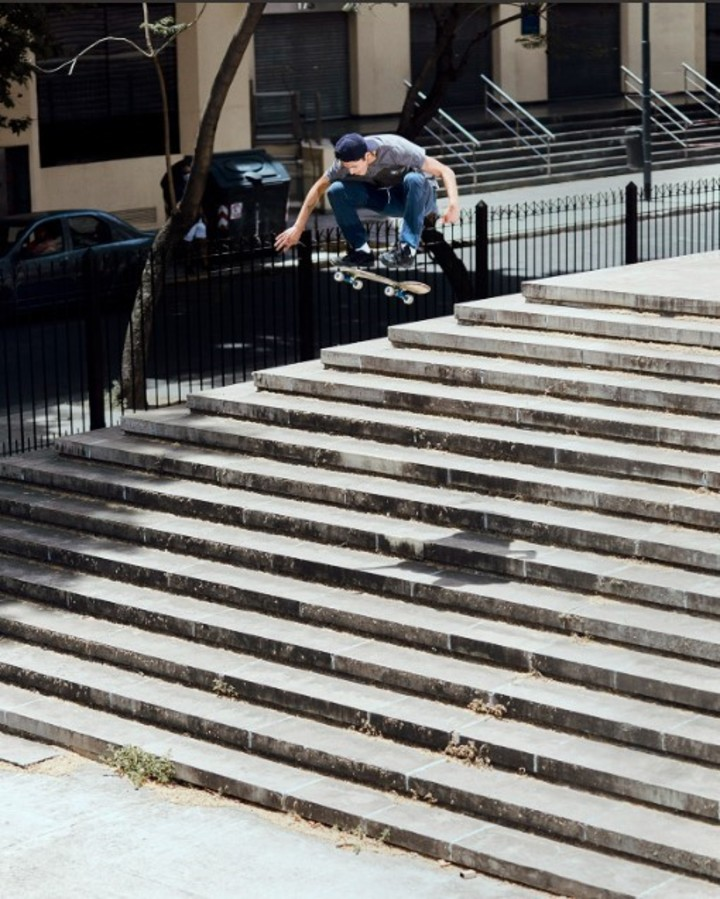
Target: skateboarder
387 174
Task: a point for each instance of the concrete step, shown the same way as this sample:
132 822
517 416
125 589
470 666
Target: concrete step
678 366
304 430
597 822
518 647
383 527
559 610
617 385
671 159
505 852
562 609
472 404
232 613
515 311
670 287
508 744
629 578
410 480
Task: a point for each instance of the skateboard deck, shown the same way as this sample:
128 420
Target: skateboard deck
404 290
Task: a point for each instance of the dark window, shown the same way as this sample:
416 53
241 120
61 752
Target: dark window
712 42
110 107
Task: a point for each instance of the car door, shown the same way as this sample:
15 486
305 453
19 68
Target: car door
42 272
113 257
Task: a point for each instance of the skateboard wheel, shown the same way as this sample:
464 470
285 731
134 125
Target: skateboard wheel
338 276
357 284
389 291
408 299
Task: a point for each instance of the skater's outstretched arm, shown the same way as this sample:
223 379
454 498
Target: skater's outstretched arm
292 235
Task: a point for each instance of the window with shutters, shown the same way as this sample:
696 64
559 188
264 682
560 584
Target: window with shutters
306 53
110 107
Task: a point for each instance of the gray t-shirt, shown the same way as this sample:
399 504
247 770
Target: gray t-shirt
396 156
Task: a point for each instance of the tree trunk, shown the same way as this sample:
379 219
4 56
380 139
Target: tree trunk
450 19
138 336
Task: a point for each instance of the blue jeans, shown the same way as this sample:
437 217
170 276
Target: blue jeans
410 200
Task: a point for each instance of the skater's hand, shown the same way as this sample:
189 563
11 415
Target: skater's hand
451 215
288 238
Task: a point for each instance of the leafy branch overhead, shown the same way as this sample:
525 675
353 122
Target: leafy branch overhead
24 34
166 29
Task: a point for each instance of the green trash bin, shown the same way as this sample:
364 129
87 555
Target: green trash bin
246 196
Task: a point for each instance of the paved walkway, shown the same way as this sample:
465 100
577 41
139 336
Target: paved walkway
590 186
71 828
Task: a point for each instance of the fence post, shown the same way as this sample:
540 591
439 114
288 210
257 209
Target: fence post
482 252
631 224
94 357
305 308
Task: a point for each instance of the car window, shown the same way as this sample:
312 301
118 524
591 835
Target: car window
9 236
45 239
88 231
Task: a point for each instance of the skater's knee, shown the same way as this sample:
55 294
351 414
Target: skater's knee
337 191
414 180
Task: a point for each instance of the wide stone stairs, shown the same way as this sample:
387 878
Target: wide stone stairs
456 589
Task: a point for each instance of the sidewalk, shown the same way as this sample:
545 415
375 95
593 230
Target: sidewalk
588 186
70 827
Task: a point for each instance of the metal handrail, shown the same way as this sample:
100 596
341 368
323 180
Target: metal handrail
449 133
669 118
511 115
707 90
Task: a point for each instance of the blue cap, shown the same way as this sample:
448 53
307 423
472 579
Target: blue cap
350 147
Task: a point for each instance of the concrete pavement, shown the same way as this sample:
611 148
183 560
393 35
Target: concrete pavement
584 186
71 827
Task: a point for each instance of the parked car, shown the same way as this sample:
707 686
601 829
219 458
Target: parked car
48 259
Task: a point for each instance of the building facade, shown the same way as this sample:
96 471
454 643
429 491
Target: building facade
96 137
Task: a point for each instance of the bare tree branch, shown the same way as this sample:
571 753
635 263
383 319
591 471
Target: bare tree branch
149 53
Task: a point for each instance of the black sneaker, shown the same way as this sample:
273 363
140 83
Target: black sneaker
356 259
401 256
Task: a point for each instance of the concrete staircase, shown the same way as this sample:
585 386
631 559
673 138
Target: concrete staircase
588 144
457 588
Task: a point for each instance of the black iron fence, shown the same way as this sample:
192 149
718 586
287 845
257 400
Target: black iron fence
243 307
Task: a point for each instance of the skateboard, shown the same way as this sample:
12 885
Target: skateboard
403 290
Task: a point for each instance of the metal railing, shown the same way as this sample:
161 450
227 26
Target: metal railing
456 142
523 125
702 91
664 114
246 308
